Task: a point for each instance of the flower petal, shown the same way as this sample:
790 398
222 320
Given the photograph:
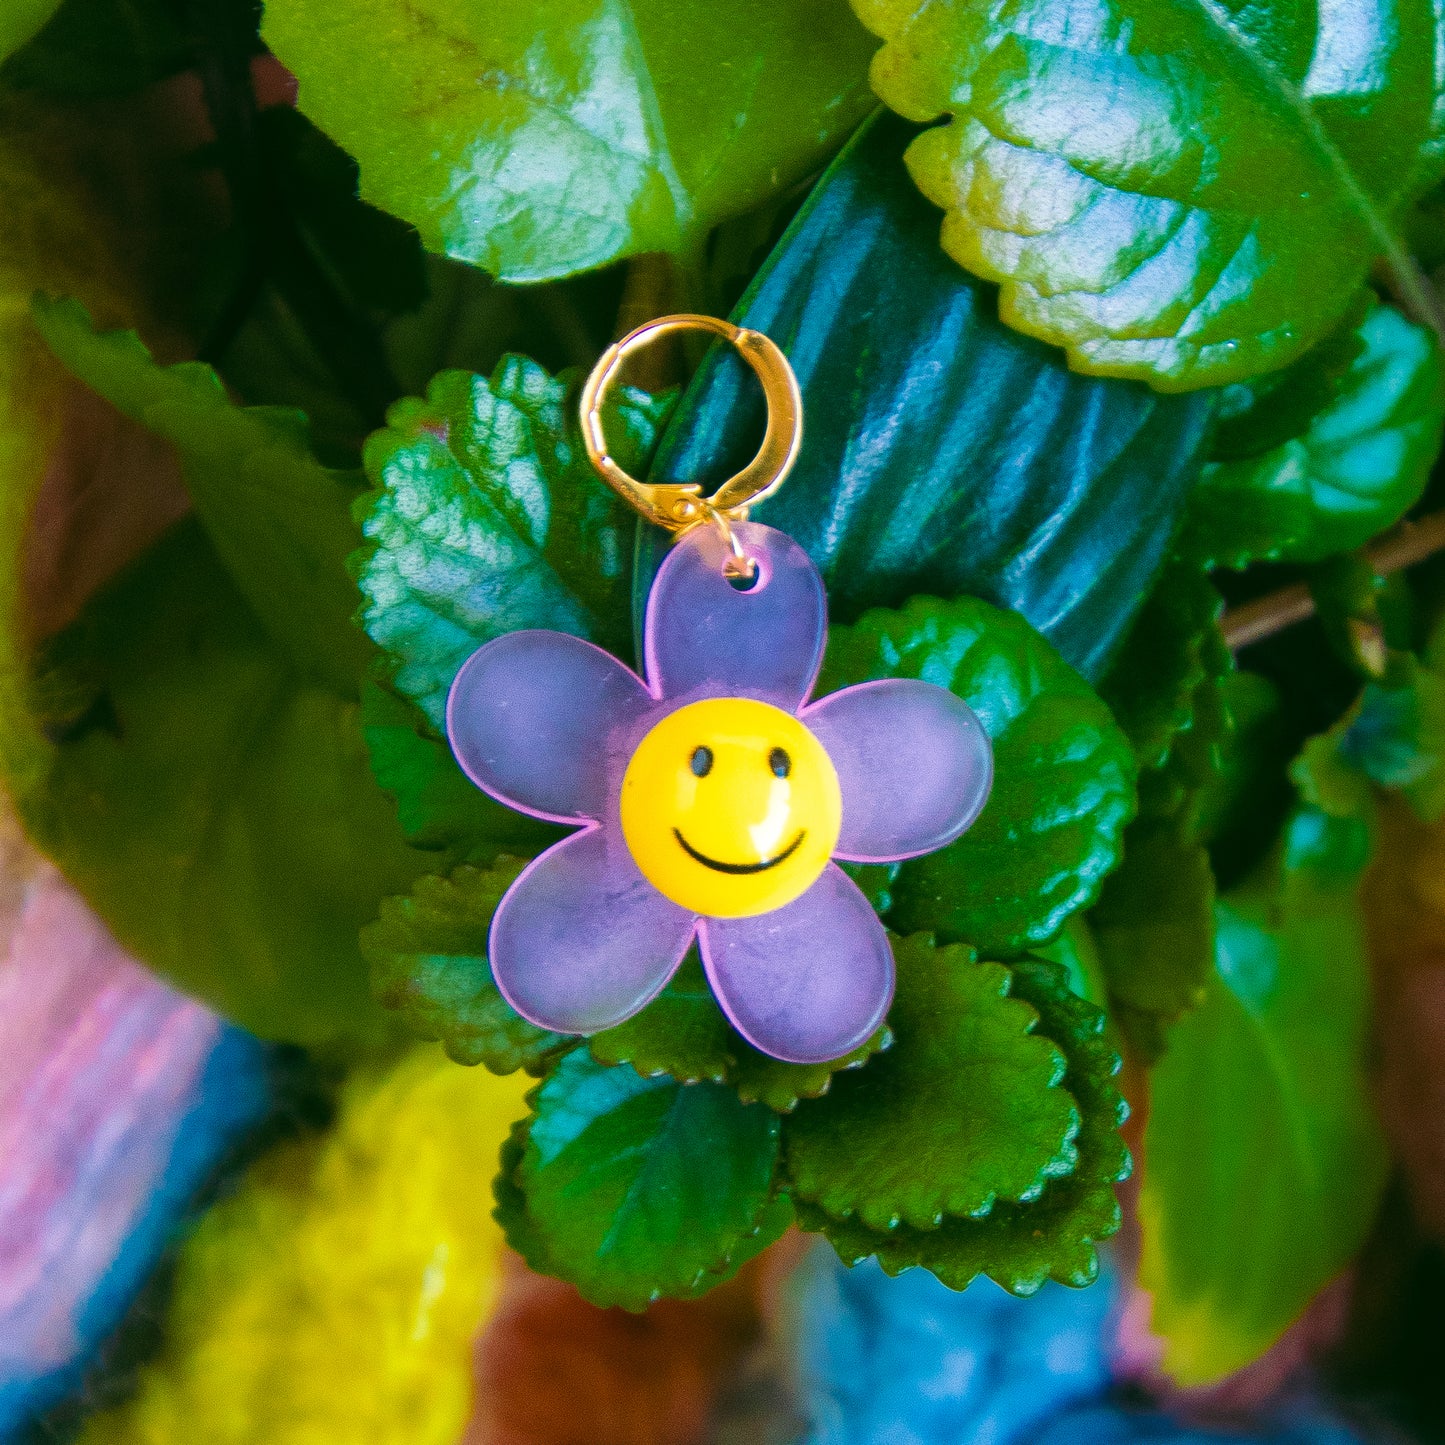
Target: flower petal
808 982
705 637
913 761
546 723
582 940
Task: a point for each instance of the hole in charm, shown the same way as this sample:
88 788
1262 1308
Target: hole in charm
779 763
745 582
701 762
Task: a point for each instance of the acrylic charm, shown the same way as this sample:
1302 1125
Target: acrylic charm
713 799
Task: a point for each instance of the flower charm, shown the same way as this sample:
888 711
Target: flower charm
712 802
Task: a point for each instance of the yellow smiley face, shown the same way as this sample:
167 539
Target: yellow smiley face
731 807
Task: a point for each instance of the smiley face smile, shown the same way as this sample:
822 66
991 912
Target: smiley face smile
739 870
730 807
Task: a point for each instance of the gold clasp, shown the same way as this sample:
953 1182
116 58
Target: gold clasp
680 506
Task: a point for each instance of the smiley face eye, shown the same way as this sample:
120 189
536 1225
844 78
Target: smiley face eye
701 762
780 763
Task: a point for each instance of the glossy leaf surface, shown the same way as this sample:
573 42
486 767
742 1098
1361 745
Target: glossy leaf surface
1174 645
533 1246
541 139
1358 462
1266 1161
683 1033
963 1111
637 1188
1063 772
943 452
1190 194
487 518
428 956
1053 1236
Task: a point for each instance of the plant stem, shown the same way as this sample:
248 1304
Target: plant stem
1407 544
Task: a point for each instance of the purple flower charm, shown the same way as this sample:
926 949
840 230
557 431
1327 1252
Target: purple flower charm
711 802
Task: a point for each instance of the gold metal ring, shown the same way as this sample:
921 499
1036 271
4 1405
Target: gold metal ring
681 505
737 565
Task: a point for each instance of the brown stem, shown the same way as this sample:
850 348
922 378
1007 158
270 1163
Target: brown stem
1407 544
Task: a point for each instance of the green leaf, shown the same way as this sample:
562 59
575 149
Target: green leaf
777 1218
511 1211
1265 1160
209 800
1393 737
1423 228
1153 683
428 956
875 881
21 20
1354 467
1255 416
1053 1236
215 809
279 520
683 1033
487 518
1178 787
1153 924
1076 952
637 1188
1217 208
961 1113
1063 772
945 453
1154 927
1327 782
538 140
437 805
527 1240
